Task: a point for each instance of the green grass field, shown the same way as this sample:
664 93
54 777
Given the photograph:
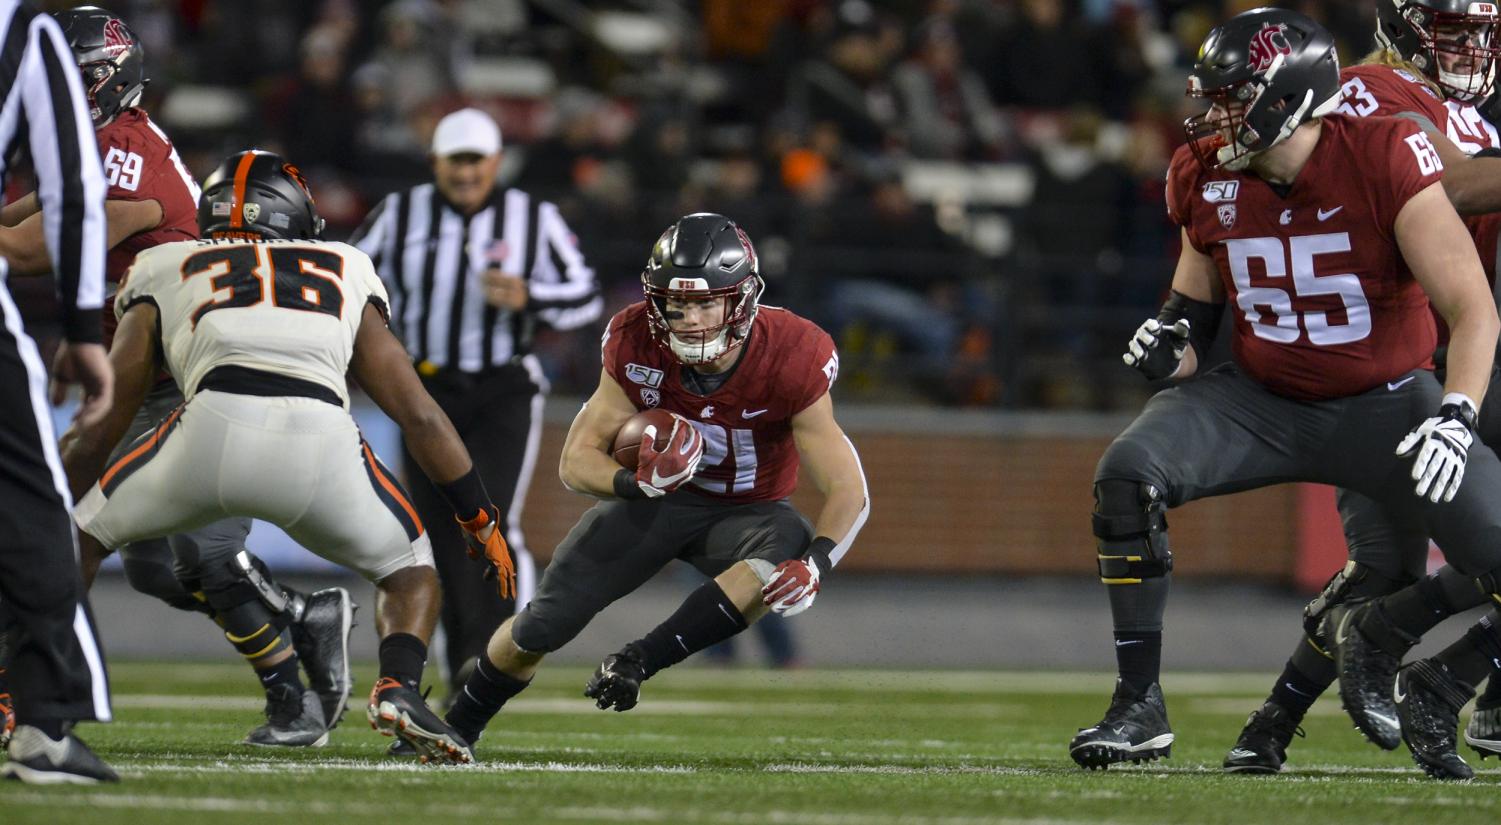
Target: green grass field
742 748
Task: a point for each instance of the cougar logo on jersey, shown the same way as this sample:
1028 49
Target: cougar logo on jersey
252 211
1226 212
650 397
644 375
1266 45
1218 191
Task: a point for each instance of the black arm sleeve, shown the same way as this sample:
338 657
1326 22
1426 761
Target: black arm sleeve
1203 319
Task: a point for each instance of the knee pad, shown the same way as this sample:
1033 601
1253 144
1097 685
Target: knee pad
1352 584
241 578
249 623
1130 528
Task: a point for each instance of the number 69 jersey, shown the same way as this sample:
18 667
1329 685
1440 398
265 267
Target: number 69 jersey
285 307
749 455
1324 306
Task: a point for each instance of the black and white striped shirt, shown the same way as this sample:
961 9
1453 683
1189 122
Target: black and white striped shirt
44 104
430 257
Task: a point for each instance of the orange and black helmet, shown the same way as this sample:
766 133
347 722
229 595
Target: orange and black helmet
257 195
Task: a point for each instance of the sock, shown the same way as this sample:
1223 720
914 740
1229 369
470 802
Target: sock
484 693
402 657
705 618
1417 609
1477 654
1138 656
283 673
1296 690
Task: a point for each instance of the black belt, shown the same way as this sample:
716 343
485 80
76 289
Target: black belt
248 381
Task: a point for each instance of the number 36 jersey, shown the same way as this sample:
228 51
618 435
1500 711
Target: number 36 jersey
788 363
1324 306
286 307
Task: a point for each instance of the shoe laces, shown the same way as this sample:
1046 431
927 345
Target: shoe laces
283 705
1279 725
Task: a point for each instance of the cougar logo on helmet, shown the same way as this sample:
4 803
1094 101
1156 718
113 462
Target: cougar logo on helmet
117 38
1266 44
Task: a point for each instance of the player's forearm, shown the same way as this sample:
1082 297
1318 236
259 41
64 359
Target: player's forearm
436 446
24 249
25 207
845 508
1472 184
1472 348
586 470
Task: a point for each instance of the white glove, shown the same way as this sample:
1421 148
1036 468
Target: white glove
792 587
1145 350
1442 445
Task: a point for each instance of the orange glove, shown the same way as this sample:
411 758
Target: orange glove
486 541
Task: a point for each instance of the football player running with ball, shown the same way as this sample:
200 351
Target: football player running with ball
1331 234
748 389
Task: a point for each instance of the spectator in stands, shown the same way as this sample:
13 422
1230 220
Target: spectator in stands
946 109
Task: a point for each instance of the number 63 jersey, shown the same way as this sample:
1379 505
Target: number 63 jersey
787 364
285 307
1324 306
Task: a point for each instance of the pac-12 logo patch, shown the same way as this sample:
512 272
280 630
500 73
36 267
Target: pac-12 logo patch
643 375
650 397
1227 214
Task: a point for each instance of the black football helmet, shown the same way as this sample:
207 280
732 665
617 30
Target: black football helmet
1266 72
255 195
703 256
111 58
1425 32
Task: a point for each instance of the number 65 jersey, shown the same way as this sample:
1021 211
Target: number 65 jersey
1324 306
285 307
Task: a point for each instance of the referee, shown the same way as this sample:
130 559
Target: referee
471 269
57 676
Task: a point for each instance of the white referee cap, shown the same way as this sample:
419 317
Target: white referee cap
467 131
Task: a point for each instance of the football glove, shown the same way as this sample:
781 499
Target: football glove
1442 445
485 540
1155 350
792 586
659 472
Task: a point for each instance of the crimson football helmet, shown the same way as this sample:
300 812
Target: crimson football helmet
111 58
254 195
1425 32
703 256
1266 72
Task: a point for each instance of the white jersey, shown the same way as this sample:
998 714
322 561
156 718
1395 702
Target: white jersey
1468 129
291 308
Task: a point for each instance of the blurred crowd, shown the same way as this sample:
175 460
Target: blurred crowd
966 193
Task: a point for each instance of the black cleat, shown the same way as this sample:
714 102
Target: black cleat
294 719
1367 669
1483 734
321 639
1428 698
616 683
38 759
1134 729
397 710
1262 746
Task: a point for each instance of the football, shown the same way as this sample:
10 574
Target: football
628 440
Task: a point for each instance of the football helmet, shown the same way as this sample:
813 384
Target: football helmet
1425 32
1266 72
255 195
703 256
110 57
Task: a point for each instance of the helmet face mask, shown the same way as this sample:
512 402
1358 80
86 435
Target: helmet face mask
1265 73
702 258
110 57
257 195
1453 42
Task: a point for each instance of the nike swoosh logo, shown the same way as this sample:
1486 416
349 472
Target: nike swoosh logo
1396 385
1242 753
1340 632
1131 642
1324 216
1389 721
1398 695
749 414
658 481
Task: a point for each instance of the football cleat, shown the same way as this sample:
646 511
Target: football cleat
1428 699
616 683
1134 729
1367 669
1262 746
1483 734
321 639
294 719
397 710
37 759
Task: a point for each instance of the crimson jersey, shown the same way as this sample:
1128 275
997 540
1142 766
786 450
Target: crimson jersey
141 164
749 455
1325 305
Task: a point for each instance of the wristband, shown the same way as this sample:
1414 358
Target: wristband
466 494
626 486
818 552
1467 408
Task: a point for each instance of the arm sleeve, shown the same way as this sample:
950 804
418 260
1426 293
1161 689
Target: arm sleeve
70 180
562 290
